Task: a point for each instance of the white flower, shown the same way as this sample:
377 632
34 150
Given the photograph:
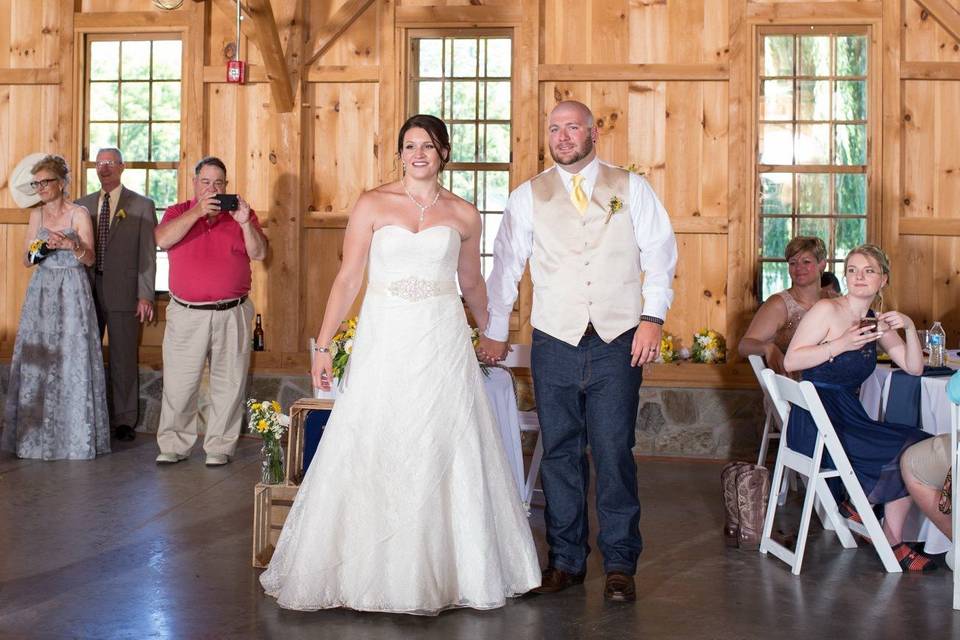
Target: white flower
348 346
703 340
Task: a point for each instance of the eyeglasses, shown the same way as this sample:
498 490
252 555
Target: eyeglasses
107 163
217 184
37 185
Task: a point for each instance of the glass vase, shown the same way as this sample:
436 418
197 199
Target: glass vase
271 463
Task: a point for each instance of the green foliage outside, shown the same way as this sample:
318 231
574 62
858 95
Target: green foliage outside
831 206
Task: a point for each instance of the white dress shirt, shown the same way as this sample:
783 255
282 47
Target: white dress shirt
514 244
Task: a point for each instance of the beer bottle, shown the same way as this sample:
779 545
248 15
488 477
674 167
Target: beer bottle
258 335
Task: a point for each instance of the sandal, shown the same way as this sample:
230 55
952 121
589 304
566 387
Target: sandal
912 560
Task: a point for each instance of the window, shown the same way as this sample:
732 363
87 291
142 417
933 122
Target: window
463 77
812 147
133 88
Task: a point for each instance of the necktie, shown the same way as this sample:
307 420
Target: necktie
577 196
103 231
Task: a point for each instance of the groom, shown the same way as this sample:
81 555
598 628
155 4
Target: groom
589 230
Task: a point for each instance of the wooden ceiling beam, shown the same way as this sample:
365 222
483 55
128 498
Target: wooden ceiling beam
268 41
944 13
323 36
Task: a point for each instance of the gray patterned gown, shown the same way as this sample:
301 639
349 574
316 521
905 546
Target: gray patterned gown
56 400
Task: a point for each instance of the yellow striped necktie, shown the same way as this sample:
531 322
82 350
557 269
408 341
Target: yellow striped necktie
577 195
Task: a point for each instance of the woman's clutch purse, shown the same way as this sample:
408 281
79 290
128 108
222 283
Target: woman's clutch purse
38 251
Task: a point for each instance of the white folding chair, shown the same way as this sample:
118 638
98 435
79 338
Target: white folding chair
519 357
955 514
772 428
803 395
771 423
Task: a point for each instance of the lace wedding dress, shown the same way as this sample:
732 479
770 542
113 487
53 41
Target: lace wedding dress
409 505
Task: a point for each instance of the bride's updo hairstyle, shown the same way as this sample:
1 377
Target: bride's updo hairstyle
435 128
55 165
876 254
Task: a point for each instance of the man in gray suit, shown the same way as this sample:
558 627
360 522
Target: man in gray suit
123 280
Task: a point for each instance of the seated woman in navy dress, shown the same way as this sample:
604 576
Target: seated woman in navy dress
835 348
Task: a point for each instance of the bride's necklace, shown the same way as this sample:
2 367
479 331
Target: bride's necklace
423 208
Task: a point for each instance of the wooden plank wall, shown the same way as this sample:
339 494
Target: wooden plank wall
671 83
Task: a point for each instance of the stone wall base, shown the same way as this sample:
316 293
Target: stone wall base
691 423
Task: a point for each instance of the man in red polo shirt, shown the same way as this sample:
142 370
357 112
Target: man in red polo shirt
209 315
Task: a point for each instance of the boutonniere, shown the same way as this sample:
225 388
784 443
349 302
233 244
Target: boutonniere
613 206
121 214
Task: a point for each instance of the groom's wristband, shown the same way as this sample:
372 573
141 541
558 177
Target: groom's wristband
653 319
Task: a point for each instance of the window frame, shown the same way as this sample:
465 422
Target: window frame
871 169
413 78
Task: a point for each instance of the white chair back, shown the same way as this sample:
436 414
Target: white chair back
786 392
772 421
518 357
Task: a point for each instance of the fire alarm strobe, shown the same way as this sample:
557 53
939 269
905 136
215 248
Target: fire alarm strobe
236 72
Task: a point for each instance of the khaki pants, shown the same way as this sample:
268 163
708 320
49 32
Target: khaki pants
192 337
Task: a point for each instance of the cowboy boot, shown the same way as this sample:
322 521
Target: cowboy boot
731 527
753 490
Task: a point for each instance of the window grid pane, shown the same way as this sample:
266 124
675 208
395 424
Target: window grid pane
464 79
134 104
811 165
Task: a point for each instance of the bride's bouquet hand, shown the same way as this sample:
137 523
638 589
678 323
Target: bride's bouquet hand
322 370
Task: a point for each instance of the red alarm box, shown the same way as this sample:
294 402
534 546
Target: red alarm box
236 71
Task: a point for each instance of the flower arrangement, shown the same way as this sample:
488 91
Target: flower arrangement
120 214
669 348
613 206
633 167
343 346
38 251
267 421
709 347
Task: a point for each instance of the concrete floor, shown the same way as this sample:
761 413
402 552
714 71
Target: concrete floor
121 548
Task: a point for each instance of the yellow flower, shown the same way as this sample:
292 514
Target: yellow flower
275 405
613 206
255 406
262 426
121 214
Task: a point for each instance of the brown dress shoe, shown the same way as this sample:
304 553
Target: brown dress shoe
619 587
555 580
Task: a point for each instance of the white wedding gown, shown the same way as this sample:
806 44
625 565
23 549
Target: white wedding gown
409 505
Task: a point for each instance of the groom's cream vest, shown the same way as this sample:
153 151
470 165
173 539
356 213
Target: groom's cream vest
584 268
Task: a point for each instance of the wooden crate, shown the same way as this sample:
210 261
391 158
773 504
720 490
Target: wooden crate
293 462
271 504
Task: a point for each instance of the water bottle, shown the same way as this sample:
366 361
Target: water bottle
937 339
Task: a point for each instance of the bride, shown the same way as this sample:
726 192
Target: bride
409 505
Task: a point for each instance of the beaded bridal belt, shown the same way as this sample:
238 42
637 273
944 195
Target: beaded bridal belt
414 289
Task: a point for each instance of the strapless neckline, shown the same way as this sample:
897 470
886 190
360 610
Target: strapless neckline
417 233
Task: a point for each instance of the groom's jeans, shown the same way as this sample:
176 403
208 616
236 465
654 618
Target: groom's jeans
588 394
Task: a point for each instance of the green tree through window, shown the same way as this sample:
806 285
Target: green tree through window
464 78
133 89
812 162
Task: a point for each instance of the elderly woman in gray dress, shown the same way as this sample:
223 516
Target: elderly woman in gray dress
56 404
772 328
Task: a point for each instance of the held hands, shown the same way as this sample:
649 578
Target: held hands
322 370
895 320
646 344
57 240
491 351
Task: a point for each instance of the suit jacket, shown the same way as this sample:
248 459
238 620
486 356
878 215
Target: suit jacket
130 264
